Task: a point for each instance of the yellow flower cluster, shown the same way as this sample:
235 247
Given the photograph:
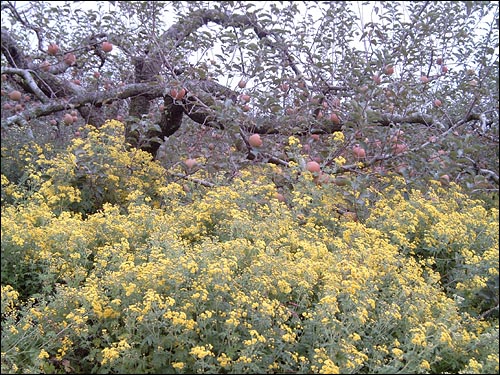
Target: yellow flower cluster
231 265
112 353
202 351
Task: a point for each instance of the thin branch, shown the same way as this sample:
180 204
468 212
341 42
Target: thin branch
26 74
26 24
490 173
489 311
196 180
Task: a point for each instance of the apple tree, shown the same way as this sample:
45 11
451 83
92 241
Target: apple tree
411 86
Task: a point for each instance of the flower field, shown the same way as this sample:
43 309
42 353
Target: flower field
110 265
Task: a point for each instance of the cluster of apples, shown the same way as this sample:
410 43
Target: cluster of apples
244 98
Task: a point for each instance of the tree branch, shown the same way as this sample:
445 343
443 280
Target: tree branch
96 98
26 74
26 24
12 52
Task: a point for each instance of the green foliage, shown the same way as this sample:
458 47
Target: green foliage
177 277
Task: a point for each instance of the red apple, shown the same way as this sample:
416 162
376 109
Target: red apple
279 197
15 95
53 49
178 93
313 166
444 179
68 119
322 178
255 140
69 59
190 163
242 84
107 46
359 151
399 148
315 137
334 118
